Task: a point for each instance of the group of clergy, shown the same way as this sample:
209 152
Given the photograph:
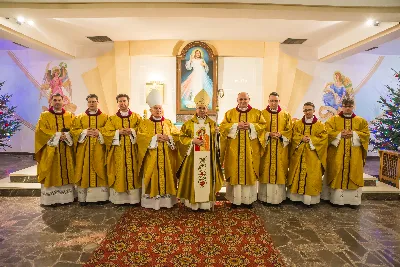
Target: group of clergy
126 159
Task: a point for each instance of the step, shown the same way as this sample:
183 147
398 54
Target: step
381 191
24 183
9 189
27 175
369 180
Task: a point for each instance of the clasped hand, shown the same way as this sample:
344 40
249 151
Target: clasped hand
63 137
125 131
92 132
346 134
243 125
306 139
275 135
162 138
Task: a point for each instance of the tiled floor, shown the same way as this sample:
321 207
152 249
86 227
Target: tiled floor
31 235
335 236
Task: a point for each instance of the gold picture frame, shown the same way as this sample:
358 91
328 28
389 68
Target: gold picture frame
185 93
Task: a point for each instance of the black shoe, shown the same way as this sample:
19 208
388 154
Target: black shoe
83 203
249 206
234 206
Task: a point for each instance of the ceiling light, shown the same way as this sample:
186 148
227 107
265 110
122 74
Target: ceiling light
21 19
31 23
372 22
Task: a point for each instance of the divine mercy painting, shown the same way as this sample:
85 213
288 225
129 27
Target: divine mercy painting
196 71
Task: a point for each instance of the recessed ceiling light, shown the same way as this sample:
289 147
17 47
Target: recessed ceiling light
31 23
21 19
372 22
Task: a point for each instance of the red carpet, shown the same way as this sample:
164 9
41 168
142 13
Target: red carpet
180 237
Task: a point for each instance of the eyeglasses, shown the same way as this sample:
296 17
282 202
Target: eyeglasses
307 110
273 101
243 99
347 106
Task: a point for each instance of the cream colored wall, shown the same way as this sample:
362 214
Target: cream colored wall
280 71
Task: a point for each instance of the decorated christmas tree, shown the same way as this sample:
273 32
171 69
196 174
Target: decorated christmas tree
8 123
386 128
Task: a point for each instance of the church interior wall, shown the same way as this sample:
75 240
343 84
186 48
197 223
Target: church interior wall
255 67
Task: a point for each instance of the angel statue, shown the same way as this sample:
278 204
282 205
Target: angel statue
55 81
334 93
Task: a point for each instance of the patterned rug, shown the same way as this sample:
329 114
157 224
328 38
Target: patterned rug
180 237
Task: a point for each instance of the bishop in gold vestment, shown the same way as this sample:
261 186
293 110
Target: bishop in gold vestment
348 145
90 169
308 152
54 154
275 161
198 180
242 139
157 157
122 169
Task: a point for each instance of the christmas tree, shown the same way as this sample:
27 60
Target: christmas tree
8 124
386 128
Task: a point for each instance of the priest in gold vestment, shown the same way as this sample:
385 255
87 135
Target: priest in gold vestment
54 154
90 168
120 138
348 137
275 161
308 150
242 138
157 156
198 180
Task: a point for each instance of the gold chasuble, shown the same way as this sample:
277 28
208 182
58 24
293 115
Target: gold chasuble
346 158
90 168
241 153
157 163
275 159
122 170
196 168
307 161
55 158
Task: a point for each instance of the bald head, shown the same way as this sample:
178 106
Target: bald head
241 94
243 100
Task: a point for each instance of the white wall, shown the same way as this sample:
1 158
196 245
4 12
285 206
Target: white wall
145 69
237 75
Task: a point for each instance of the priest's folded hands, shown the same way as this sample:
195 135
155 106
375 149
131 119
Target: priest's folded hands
243 125
346 134
125 131
162 138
